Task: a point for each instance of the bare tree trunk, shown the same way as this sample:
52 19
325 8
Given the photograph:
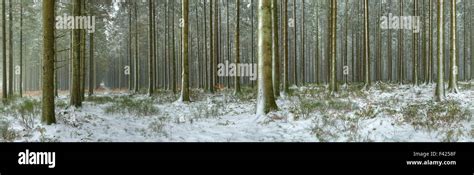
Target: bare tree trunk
400 50
21 49
415 48
453 75
185 67
237 47
333 55
276 48
4 54
266 100
76 42
48 114
285 47
150 49
439 94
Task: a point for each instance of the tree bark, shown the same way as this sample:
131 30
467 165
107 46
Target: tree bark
185 67
439 93
453 75
266 100
48 114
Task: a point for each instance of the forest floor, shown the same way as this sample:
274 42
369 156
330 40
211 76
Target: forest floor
385 113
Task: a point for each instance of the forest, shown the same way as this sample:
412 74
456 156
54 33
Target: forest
237 71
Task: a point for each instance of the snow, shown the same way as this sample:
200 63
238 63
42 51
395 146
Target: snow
354 116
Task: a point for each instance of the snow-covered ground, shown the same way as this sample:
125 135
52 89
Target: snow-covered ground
386 113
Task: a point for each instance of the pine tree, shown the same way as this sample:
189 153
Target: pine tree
237 46
276 50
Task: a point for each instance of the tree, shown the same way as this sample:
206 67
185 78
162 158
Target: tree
400 50
439 93
76 42
173 51
185 68
21 49
4 54
276 50
237 46
429 58
333 44
415 48
453 85
295 46
48 114
137 50
91 57
266 100
367 79
10 50
285 47
212 53
303 37
150 49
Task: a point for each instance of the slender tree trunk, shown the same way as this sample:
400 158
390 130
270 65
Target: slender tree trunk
137 50
400 50
333 68
10 50
21 49
453 75
367 79
4 54
415 48
295 47
276 48
237 46
150 49
91 57
212 53
302 66
266 100
285 47
439 93
48 114
130 55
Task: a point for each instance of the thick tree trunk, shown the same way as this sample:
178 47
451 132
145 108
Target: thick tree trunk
266 100
76 43
185 67
48 114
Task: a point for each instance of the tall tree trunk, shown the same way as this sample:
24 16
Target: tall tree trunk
10 50
333 77
91 57
237 46
76 42
400 50
317 68
415 48
367 79
266 100
212 53
185 68
137 50
150 49
276 48
439 93
295 47
48 114
130 55
4 54
285 47
21 49
453 75
302 66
